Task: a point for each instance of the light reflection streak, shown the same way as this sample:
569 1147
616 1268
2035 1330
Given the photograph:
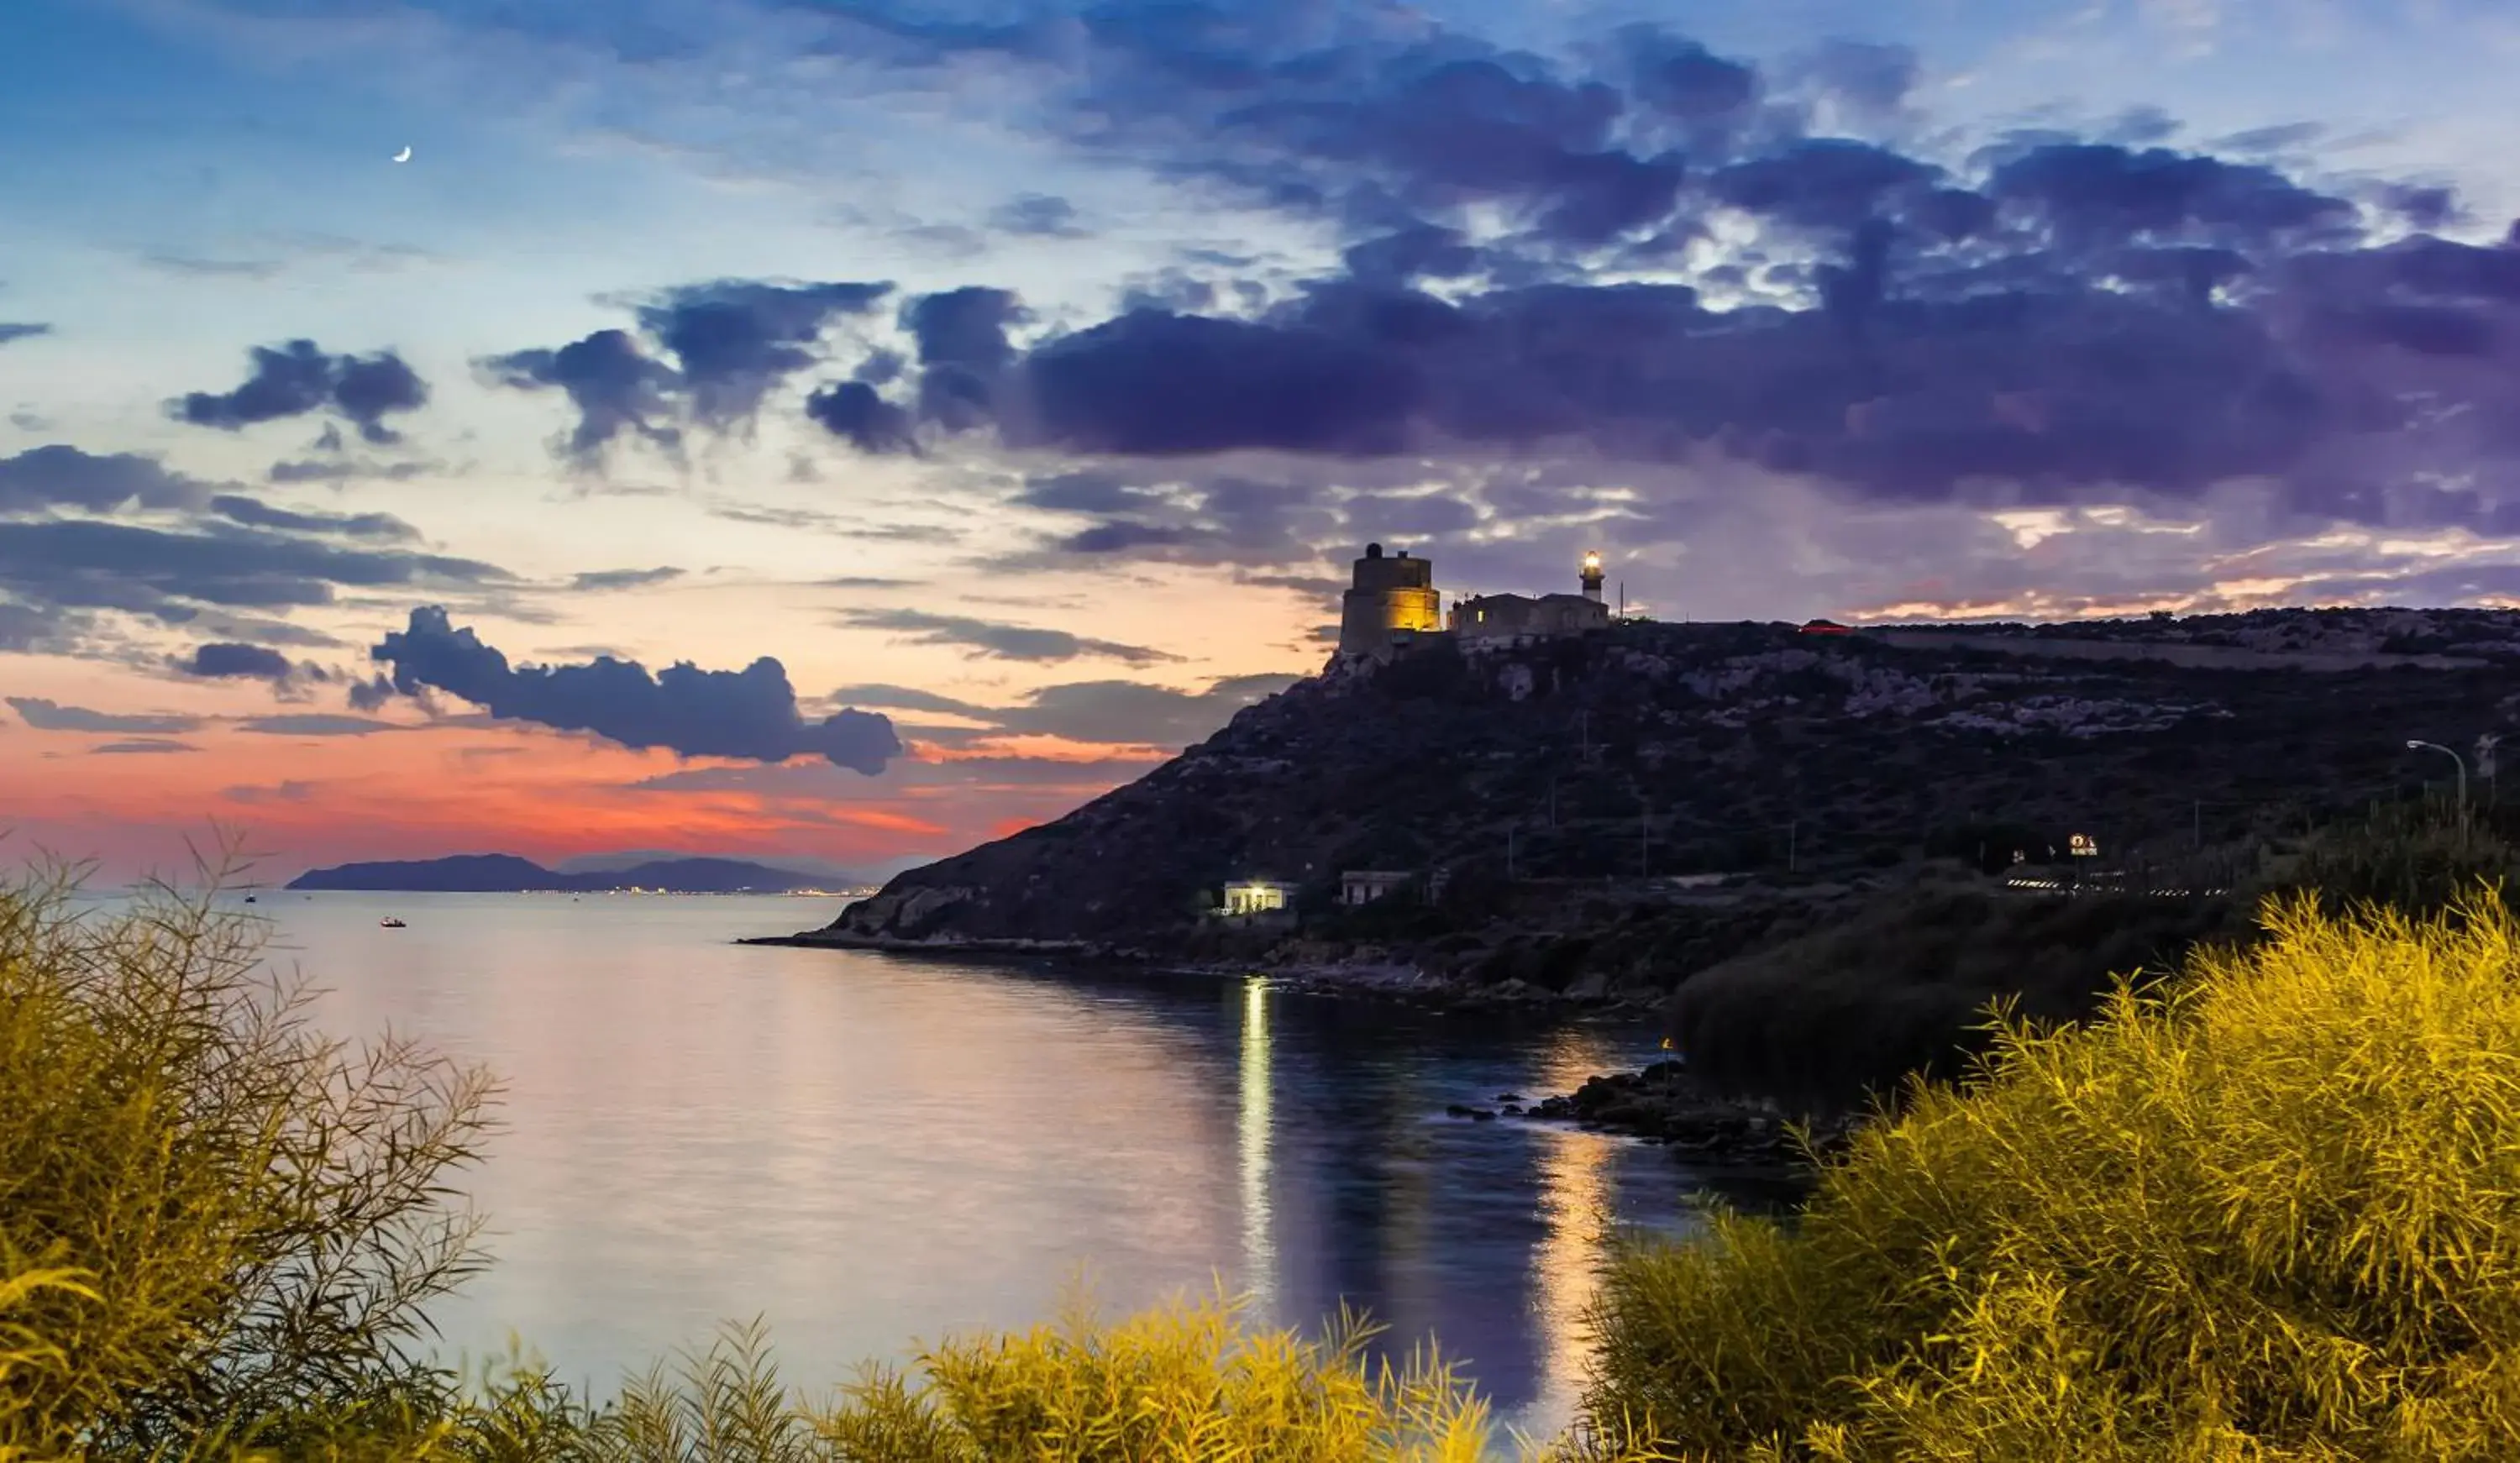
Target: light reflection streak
1252 1151
1575 1210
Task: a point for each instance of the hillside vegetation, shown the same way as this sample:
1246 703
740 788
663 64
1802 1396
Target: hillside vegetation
1894 986
1649 750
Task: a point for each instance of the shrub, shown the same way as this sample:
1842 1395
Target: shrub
1896 985
2267 1210
1183 1381
2411 856
211 1217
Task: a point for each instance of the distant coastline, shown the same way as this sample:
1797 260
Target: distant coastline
507 873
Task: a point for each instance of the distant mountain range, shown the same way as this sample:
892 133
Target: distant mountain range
506 873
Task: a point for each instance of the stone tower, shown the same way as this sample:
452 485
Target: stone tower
1387 599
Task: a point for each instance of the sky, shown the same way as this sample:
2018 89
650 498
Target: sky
853 430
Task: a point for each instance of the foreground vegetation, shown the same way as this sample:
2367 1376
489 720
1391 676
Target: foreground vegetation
1829 1015
2264 1211
2260 1209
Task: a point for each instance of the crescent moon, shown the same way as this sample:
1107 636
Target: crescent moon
404 155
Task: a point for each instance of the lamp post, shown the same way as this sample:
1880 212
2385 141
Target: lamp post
2412 744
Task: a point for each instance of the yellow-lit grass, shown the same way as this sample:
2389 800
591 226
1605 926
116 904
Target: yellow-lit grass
2267 1211
1185 1381
211 1217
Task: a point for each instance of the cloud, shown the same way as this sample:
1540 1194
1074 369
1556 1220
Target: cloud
1131 713
909 698
128 748
52 716
734 340
615 385
92 564
1005 641
853 410
221 659
195 267
1198 518
299 378
1125 713
315 723
347 469
56 476
719 349
256 514
26 628
749 714
1037 215
624 579
22 331
2049 317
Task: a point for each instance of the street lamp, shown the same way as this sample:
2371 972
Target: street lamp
2412 744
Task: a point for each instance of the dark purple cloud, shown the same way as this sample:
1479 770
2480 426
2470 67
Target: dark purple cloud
615 385
964 348
52 716
22 331
300 377
854 411
2092 194
707 354
624 579
169 573
256 514
1915 368
735 340
1024 643
228 660
58 475
749 714
1156 384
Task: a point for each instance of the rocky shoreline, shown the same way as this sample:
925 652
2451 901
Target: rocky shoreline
1369 979
1664 1104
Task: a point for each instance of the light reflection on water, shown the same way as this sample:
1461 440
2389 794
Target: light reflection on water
869 1150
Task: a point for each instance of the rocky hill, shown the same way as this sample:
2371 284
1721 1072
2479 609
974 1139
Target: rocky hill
1620 758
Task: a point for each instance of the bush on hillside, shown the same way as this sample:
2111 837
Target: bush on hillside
2265 1211
1824 1019
210 1215
2410 856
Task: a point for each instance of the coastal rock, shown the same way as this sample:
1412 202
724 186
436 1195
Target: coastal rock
1664 1103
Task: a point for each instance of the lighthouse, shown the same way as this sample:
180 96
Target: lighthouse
1592 575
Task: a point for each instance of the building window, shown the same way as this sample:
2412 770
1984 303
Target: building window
1256 898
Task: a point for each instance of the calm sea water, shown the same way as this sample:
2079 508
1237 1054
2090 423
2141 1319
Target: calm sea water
867 1150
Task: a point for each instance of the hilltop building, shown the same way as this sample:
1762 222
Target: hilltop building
1389 603
1392 604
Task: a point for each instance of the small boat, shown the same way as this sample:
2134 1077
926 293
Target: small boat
249 899
391 923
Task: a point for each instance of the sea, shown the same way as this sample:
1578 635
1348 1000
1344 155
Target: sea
867 1152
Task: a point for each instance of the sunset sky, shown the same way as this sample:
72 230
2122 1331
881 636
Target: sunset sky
1007 384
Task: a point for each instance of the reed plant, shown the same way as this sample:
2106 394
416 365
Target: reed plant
2266 1209
213 1218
